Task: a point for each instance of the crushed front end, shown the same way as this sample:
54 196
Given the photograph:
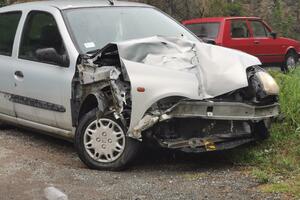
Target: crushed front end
179 94
219 123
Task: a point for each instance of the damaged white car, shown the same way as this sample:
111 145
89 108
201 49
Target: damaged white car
112 76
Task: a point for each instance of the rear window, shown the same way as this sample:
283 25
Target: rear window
205 30
8 27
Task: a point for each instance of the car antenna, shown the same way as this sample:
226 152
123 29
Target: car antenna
111 2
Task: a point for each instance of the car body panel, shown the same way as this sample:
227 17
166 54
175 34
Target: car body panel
6 86
36 73
267 49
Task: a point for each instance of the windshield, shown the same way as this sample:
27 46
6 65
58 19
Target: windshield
205 30
93 28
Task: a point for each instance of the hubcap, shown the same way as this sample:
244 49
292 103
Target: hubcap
291 63
104 140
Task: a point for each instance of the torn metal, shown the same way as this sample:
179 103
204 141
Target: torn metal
92 73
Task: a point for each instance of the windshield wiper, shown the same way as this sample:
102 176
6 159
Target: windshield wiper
111 2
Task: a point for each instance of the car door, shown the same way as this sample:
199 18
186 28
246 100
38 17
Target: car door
239 35
43 87
8 26
265 47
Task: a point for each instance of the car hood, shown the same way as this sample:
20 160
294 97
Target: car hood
167 67
289 40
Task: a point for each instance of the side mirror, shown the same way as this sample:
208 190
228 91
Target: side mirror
210 41
274 35
50 55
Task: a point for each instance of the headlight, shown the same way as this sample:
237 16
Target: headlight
269 85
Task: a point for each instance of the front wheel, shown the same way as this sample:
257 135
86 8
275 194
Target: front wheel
290 62
102 143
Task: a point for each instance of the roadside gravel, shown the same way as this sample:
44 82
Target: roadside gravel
30 162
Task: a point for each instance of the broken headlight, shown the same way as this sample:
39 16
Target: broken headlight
261 84
269 85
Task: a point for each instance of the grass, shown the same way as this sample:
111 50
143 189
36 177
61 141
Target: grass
276 162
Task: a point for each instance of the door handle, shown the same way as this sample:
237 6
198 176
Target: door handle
256 42
19 74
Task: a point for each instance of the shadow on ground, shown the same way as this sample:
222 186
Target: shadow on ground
150 158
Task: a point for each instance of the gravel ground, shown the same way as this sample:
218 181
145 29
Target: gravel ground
30 162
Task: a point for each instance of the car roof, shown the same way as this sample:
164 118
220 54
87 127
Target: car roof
216 19
69 4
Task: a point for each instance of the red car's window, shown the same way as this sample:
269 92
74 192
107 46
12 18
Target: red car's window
239 29
205 30
259 29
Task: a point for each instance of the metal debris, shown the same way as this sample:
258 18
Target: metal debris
52 193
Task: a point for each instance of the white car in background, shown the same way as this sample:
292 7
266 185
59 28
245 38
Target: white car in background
110 76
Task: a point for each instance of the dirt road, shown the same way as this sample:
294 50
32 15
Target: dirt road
30 162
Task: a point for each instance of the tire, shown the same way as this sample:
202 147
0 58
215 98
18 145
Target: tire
93 147
290 62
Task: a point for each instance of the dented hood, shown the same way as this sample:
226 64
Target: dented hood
177 67
218 70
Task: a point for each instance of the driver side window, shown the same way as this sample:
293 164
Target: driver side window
41 33
259 29
239 29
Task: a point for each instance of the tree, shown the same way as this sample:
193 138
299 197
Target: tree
2 3
282 15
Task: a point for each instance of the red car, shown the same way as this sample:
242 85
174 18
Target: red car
248 34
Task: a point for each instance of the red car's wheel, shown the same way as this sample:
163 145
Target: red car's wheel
290 62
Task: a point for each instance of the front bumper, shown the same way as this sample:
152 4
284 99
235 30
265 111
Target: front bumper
223 110
225 138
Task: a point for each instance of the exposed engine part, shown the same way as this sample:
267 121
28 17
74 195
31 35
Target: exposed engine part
218 146
198 135
118 95
102 75
147 122
93 74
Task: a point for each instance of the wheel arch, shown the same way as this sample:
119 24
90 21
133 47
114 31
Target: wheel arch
93 100
88 104
291 49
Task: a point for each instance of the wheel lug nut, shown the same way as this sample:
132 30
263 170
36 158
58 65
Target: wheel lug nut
103 146
109 140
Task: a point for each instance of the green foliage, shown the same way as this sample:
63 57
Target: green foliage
234 9
223 8
280 21
261 176
2 3
290 98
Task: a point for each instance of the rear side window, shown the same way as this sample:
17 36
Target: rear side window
8 26
40 32
239 29
205 30
259 29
